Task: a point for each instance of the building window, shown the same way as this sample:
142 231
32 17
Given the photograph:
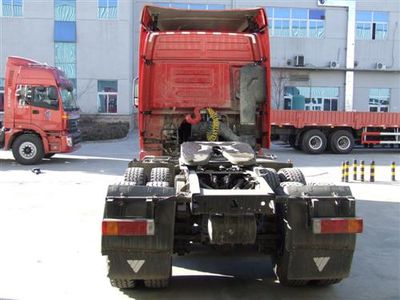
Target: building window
107 9
65 10
1 94
65 58
379 100
107 96
311 98
192 6
296 22
371 25
12 8
65 31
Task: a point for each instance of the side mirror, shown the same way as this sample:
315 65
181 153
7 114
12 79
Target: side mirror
136 92
52 93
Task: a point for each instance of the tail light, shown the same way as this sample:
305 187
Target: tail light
337 225
122 227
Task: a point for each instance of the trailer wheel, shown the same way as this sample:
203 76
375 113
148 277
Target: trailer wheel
156 283
123 283
292 175
314 141
341 142
160 174
28 149
326 282
271 177
134 174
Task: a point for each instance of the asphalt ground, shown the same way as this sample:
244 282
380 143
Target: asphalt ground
50 233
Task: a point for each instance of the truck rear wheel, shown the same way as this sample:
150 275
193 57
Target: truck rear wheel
28 149
326 282
134 175
314 141
292 174
156 283
271 177
123 283
341 142
160 174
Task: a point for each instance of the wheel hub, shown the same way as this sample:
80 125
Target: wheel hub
315 142
27 150
343 143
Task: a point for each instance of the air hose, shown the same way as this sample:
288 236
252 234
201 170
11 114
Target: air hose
212 133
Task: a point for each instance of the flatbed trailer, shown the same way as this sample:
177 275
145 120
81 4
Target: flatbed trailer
317 131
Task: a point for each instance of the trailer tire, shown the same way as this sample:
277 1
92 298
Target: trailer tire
156 283
160 174
134 174
314 141
341 142
28 149
123 283
271 177
292 175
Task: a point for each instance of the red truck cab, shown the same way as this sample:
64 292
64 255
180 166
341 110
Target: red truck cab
40 112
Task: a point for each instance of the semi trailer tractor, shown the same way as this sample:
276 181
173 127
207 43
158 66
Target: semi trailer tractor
204 114
40 112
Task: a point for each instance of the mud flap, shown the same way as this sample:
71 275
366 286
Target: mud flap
139 265
310 256
143 256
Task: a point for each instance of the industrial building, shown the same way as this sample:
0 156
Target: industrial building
335 54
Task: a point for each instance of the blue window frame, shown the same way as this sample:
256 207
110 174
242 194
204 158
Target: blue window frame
193 6
107 9
371 25
296 22
64 31
65 10
65 58
12 8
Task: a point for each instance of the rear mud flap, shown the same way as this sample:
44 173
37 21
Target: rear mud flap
139 265
316 256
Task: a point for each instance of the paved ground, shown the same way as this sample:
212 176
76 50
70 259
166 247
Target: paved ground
50 234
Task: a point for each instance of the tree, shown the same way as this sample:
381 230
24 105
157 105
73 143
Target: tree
279 80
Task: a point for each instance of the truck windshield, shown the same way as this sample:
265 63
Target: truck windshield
68 100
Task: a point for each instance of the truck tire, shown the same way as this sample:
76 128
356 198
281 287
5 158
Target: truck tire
341 142
134 175
156 283
271 177
123 283
28 149
326 282
160 174
314 141
282 190
158 184
292 175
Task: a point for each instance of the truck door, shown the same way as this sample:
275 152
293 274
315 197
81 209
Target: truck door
45 108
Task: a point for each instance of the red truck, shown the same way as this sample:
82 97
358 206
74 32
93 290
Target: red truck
40 113
317 131
204 107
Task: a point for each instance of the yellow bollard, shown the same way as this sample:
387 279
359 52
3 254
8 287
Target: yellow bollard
393 171
355 166
372 172
343 170
362 171
346 173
